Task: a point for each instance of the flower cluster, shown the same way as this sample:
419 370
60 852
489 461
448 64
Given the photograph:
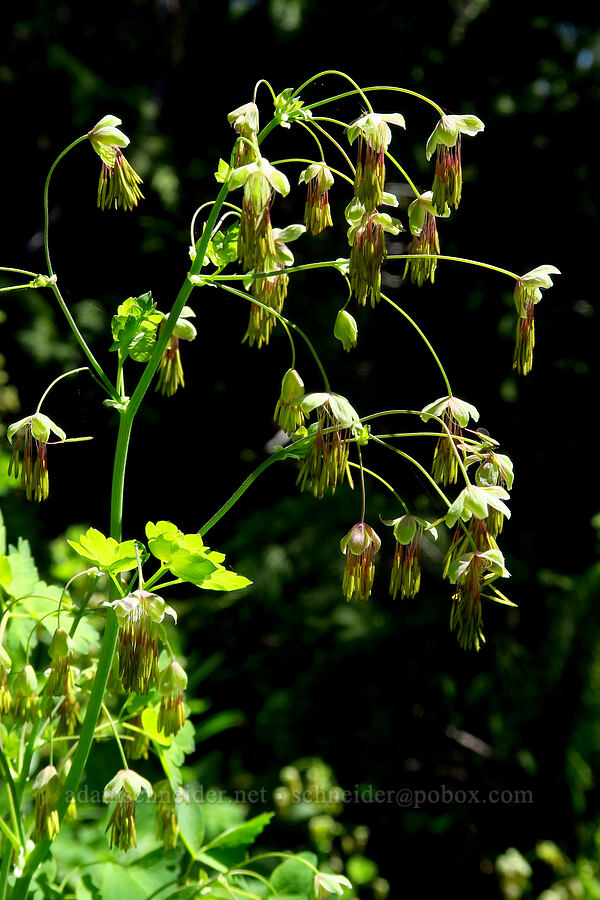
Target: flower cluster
425 243
359 547
126 787
528 292
119 184
317 214
326 462
139 613
170 370
445 142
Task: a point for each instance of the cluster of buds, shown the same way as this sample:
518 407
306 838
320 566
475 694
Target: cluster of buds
26 701
119 184
46 789
527 293
139 613
172 682
61 680
245 121
455 415
126 787
445 142
368 251
425 242
326 462
317 213
359 546
288 411
32 434
5 697
406 567
170 371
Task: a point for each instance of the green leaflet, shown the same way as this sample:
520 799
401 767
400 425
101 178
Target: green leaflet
134 328
106 553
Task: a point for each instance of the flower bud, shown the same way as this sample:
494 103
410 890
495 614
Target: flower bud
288 412
346 329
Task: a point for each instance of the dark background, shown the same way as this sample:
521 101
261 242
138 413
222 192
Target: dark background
383 692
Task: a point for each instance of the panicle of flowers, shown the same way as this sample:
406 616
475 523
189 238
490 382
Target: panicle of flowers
245 121
139 614
61 679
359 547
326 462
317 213
374 136
126 787
527 293
455 415
445 141
119 182
170 370
31 435
46 788
172 682
26 701
425 242
5 696
288 411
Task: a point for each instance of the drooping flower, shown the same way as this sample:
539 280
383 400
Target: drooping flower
172 682
26 701
446 140
245 121
374 136
455 415
5 667
67 714
470 573
406 567
119 182
255 240
139 614
170 370
317 214
167 826
271 290
368 251
126 787
527 293
46 788
60 677
32 433
288 412
326 462
494 469
425 242
359 546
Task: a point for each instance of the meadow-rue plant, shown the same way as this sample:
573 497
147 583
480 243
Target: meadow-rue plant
113 674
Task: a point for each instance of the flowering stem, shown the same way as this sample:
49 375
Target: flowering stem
285 322
18 271
56 380
471 262
418 465
116 736
249 481
403 172
356 90
378 88
418 330
383 481
311 162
